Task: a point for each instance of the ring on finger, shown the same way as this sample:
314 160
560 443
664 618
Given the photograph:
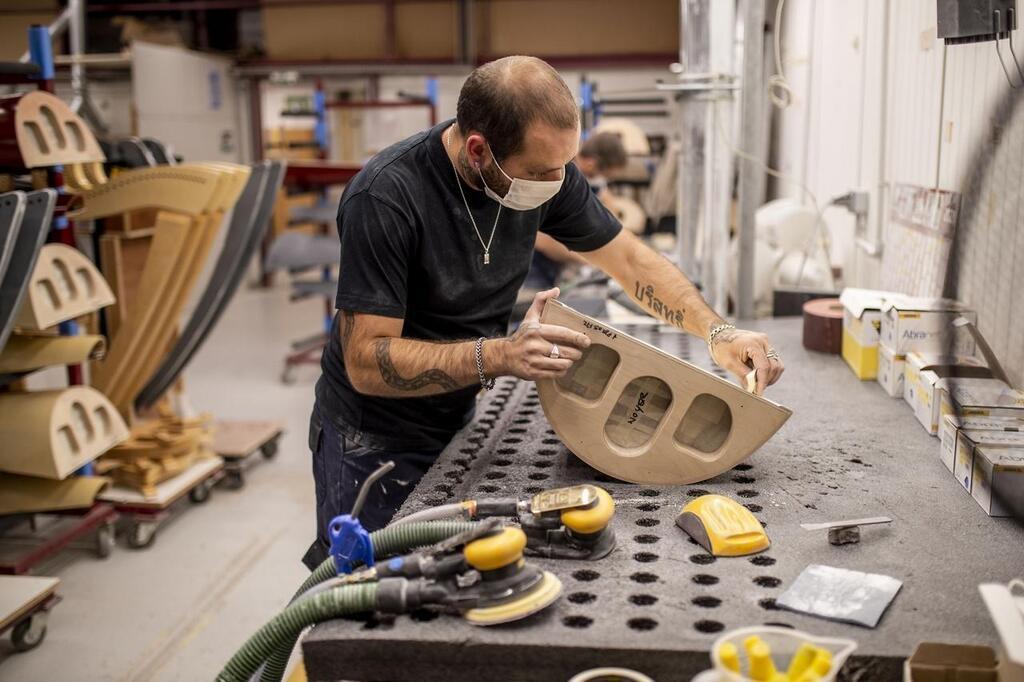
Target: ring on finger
772 353
555 353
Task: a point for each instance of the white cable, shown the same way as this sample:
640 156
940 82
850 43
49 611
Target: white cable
779 90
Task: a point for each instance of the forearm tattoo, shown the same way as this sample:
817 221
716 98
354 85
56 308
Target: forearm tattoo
389 373
646 294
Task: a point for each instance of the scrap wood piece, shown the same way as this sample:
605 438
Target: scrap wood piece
38 130
35 226
241 438
57 432
641 415
144 474
30 352
64 284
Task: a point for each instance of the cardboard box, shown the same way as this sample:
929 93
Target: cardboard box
969 442
925 325
979 398
890 371
975 427
934 662
922 371
862 320
998 480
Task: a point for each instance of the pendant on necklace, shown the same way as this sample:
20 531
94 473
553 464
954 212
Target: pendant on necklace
487 257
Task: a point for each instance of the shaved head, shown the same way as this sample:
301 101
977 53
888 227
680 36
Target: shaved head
502 99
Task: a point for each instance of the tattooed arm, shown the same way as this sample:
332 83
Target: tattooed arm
665 292
380 362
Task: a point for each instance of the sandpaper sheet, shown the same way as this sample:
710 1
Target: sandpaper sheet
841 595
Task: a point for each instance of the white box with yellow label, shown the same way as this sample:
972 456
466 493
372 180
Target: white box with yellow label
975 428
969 441
979 398
925 325
998 480
922 371
862 321
890 371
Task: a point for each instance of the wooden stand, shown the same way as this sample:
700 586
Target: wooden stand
146 512
25 603
238 442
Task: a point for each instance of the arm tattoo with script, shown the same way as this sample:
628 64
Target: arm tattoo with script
646 294
389 373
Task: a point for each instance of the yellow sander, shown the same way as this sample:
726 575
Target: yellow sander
562 523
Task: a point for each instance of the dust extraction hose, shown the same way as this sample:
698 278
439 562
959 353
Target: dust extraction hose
394 539
284 628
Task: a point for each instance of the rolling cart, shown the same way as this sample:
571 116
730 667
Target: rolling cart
241 444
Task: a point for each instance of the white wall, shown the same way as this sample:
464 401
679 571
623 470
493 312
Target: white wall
837 135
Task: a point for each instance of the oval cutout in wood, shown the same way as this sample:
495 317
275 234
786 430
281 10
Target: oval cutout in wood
706 424
638 412
589 375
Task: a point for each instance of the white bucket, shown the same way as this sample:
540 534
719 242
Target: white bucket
783 642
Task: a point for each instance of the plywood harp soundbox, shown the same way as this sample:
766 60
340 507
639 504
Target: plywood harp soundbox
53 433
64 285
641 415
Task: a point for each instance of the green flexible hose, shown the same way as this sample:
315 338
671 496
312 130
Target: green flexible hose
287 625
395 539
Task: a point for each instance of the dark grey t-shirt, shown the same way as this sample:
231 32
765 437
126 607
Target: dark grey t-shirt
408 250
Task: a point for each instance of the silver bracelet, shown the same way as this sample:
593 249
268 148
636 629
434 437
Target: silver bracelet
718 330
487 384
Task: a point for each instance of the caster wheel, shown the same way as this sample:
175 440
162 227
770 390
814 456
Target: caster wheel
105 540
269 449
233 480
141 534
201 493
29 633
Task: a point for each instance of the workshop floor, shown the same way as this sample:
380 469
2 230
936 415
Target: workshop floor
177 610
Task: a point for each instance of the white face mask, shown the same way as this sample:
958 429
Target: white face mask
523 195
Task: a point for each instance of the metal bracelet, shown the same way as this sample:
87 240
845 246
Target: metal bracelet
718 330
478 352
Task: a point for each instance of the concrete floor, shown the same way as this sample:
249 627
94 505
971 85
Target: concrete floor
178 610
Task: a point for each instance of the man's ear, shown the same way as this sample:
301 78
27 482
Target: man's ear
476 147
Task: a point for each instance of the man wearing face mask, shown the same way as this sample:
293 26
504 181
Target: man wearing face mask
437 233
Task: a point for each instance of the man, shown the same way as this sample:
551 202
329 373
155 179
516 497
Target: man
436 237
600 156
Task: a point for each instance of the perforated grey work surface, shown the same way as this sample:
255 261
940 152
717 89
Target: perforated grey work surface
657 602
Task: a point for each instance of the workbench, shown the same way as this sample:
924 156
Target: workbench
658 602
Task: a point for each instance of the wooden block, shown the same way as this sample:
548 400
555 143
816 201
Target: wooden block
64 285
53 433
644 416
241 438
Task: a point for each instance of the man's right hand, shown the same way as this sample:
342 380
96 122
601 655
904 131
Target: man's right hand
527 353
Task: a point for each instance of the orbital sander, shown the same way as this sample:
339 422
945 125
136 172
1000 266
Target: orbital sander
562 523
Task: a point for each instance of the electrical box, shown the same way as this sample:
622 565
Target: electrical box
974 21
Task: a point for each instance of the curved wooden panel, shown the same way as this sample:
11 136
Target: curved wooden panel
159 338
12 209
40 130
35 225
24 353
64 285
247 226
57 432
641 415
187 189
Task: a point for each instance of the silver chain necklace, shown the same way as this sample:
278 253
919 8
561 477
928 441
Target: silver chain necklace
458 182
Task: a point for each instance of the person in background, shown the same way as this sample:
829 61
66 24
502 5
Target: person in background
600 157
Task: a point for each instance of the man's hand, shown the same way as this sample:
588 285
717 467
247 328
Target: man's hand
536 351
739 351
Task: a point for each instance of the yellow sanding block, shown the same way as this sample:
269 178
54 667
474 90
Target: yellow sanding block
723 526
